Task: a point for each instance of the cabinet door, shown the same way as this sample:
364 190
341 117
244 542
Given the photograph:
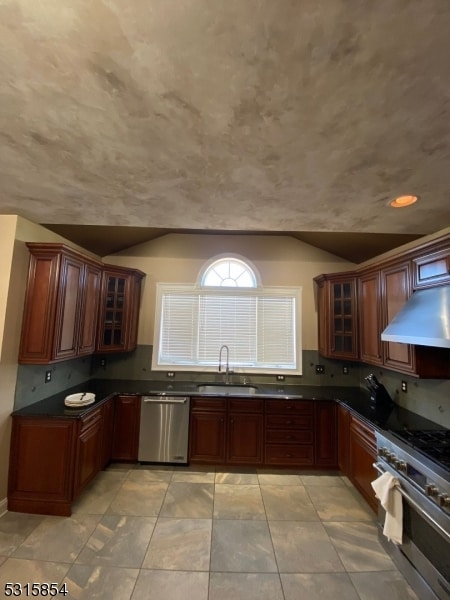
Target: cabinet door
396 289
337 316
343 424
362 456
325 434
207 437
119 311
112 323
89 447
70 294
41 465
126 428
107 432
370 318
89 309
245 438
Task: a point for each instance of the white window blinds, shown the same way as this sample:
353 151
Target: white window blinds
259 326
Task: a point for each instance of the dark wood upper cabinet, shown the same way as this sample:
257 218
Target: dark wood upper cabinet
119 309
337 316
66 293
369 311
61 305
382 290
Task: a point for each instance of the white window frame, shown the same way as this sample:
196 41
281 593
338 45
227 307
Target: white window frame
212 365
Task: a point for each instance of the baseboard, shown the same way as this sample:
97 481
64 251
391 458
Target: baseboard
3 506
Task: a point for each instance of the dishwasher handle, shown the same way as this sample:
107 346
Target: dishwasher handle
165 399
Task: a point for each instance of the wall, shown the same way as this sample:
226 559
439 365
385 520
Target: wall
280 260
14 256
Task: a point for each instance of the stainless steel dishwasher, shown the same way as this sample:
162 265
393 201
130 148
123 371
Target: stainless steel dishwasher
164 429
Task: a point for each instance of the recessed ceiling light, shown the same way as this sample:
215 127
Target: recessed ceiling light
403 201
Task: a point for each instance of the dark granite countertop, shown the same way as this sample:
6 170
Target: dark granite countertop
356 399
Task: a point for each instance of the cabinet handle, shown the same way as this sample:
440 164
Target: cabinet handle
288 422
288 455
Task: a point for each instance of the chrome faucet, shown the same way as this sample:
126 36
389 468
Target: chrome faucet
227 370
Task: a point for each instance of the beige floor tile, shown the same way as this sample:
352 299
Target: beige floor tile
99 582
322 480
318 586
118 540
15 528
188 500
171 585
192 476
150 475
97 497
358 546
303 547
180 545
138 498
245 586
238 502
288 503
383 585
19 570
242 546
339 504
279 478
58 539
237 477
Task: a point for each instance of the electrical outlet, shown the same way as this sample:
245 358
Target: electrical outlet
48 376
404 386
170 374
320 369
280 377
102 362
345 370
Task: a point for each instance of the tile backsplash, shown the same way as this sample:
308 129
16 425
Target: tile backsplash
427 397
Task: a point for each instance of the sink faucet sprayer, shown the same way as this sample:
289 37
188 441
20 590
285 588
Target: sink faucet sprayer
227 370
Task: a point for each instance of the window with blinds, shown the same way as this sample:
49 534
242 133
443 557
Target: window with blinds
260 326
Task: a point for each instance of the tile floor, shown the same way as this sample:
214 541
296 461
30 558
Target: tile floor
142 532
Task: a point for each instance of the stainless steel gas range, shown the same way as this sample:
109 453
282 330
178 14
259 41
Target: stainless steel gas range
420 460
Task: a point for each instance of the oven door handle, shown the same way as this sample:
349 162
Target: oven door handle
419 509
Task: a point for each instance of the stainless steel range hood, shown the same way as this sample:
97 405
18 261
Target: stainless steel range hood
424 320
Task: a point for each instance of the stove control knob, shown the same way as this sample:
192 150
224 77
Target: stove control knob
391 458
383 451
402 466
431 490
444 500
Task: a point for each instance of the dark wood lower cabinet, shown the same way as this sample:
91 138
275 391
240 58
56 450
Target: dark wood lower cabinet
125 442
52 459
253 431
363 453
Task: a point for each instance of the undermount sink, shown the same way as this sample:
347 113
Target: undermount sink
224 389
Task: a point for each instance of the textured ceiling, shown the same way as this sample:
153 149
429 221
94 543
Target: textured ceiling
232 115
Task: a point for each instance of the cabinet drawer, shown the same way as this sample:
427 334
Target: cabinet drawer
208 404
294 406
248 406
289 421
281 436
90 419
285 454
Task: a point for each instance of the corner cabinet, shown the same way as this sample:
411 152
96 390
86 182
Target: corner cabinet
61 305
76 305
337 316
119 309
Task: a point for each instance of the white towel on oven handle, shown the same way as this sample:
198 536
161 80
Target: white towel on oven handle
387 490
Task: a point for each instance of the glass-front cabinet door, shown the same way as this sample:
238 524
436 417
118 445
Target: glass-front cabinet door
337 316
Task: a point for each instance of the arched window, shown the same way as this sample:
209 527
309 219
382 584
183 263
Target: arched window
229 306
229 272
